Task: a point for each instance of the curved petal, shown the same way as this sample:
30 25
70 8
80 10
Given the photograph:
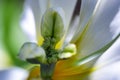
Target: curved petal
97 33
108 64
110 56
36 9
35 73
83 76
32 51
71 31
13 74
28 24
110 72
86 11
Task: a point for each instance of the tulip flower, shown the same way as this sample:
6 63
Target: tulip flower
64 43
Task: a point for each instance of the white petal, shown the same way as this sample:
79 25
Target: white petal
108 64
86 11
71 31
13 74
68 7
98 33
37 8
111 72
110 56
115 28
28 24
31 50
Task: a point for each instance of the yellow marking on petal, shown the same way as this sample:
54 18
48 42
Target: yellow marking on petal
88 23
70 76
66 68
60 43
97 67
65 64
34 73
40 40
72 71
82 35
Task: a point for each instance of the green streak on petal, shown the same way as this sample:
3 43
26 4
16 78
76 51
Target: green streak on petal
97 53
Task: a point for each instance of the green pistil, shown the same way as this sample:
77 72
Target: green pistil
47 71
51 56
52 30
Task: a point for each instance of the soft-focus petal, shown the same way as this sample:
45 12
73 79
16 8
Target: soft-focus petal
77 72
108 64
115 28
71 31
110 56
32 51
13 74
111 72
36 9
97 33
28 24
34 73
86 12
83 76
73 27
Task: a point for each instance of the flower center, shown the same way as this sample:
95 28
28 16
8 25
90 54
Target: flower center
52 30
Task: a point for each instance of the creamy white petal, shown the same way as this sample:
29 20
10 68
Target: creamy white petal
79 23
110 56
37 8
111 72
86 11
108 64
13 74
68 7
31 51
71 31
97 32
28 24
115 28
73 27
